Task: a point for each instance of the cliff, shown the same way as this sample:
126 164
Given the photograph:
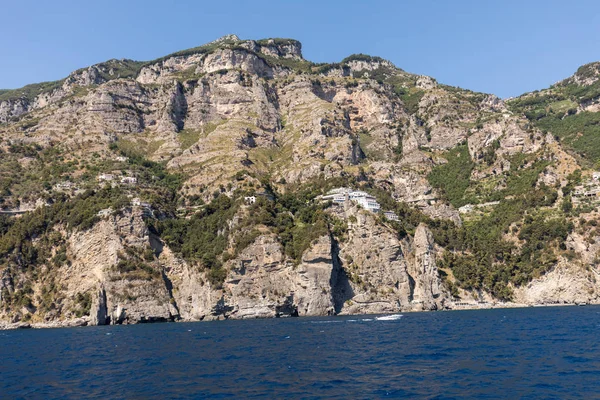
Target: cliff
124 189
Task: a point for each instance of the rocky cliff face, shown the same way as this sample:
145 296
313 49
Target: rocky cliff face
241 118
370 272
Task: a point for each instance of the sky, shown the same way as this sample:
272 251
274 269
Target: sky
503 47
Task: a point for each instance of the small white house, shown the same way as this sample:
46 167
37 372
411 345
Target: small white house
136 202
392 216
63 185
130 180
106 177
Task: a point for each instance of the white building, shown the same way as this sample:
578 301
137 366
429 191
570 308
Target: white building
136 202
367 202
392 216
341 195
64 186
106 177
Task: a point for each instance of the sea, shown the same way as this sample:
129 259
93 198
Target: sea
528 353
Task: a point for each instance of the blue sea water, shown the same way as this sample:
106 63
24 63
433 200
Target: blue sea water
549 353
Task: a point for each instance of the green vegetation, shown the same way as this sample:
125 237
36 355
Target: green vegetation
485 259
188 137
134 266
148 172
30 92
120 69
580 132
84 303
139 147
555 110
479 253
405 88
45 167
453 178
204 236
362 57
278 42
410 98
17 243
28 241
294 217
409 217
302 66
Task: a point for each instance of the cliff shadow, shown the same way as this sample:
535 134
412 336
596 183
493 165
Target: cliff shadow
341 290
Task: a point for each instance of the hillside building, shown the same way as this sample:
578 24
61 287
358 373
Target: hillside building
106 177
392 216
340 196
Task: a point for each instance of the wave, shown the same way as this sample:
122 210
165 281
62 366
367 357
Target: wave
325 322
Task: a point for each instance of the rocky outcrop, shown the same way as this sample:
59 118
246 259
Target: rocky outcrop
385 274
370 272
98 310
13 108
426 289
261 283
564 284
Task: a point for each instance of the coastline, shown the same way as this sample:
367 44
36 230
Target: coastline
84 322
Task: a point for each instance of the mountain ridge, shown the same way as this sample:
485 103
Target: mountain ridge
232 38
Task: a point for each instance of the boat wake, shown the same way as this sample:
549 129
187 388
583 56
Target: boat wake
392 317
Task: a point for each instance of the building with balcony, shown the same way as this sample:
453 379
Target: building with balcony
342 195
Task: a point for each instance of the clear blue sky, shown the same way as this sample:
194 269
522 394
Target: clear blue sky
504 47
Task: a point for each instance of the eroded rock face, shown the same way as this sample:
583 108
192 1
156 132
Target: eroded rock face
261 283
564 284
385 274
426 290
13 108
376 268
98 312
117 297
371 272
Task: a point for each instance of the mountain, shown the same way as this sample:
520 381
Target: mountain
190 188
